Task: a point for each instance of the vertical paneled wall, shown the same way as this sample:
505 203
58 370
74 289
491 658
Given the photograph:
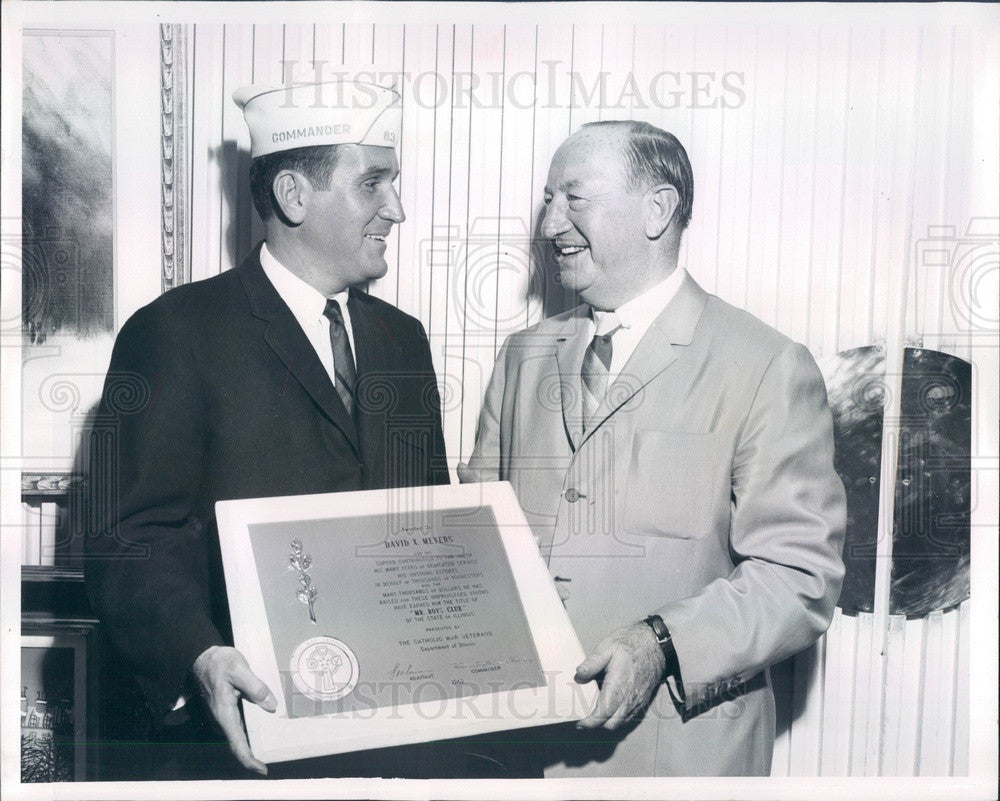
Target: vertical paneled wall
825 159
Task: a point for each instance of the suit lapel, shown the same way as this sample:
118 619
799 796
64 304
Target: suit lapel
287 339
674 327
375 346
380 367
571 343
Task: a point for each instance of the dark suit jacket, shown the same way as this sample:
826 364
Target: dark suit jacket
214 392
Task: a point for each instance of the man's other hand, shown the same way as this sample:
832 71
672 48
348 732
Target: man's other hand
225 676
633 665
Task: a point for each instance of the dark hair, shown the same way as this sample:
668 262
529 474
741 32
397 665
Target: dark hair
315 163
653 156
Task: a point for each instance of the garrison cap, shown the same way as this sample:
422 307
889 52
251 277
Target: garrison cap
338 112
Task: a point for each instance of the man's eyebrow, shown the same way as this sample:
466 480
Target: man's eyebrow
378 172
572 183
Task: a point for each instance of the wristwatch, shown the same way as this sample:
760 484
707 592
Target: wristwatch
666 642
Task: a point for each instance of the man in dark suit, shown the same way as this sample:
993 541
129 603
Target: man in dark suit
277 378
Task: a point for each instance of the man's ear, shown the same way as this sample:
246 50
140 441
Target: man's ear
292 191
661 204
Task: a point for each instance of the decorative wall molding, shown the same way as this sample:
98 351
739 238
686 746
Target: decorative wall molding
51 483
175 200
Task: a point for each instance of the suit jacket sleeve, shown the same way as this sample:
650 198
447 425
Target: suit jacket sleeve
786 538
147 572
485 462
439 457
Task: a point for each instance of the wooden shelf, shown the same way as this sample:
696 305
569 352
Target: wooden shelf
54 591
51 573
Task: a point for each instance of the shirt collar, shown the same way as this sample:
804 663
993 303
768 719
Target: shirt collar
305 301
640 312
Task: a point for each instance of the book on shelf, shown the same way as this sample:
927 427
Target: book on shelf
40 533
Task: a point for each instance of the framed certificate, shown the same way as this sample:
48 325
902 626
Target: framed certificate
388 617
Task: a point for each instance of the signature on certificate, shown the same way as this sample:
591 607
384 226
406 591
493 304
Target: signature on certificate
409 671
488 664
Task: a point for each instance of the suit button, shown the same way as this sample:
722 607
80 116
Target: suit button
573 495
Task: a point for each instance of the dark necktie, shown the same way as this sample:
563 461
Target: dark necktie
596 367
343 359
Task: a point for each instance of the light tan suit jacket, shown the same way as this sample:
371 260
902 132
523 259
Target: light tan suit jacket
705 492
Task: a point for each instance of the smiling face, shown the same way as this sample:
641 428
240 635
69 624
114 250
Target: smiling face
595 219
346 223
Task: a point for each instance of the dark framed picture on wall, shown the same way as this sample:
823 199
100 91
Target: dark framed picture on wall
58 700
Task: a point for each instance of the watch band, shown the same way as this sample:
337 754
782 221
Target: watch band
666 642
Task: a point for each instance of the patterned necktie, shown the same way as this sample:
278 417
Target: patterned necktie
343 359
596 366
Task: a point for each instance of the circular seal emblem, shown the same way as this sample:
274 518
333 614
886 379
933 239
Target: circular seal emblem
324 669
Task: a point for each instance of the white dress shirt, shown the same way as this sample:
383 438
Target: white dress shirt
307 304
635 317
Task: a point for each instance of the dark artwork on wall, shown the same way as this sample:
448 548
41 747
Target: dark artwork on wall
855 383
930 537
67 184
47 714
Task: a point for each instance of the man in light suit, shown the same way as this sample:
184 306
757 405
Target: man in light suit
674 456
276 378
